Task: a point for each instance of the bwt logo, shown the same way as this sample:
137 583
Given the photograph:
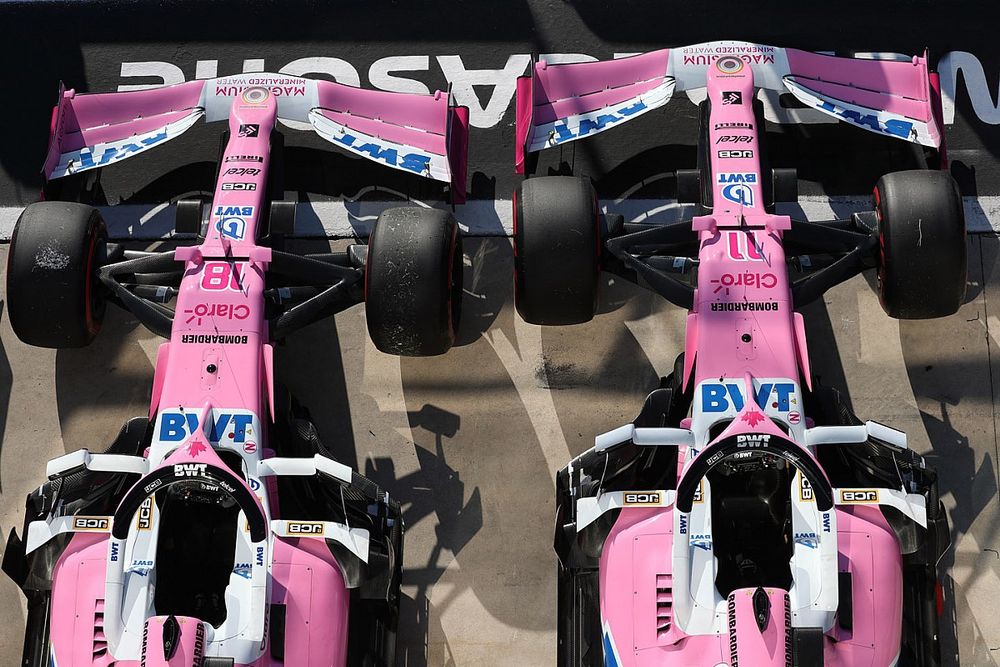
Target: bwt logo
177 426
892 126
562 132
305 528
701 541
810 540
114 552
826 522
260 556
190 469
753 440
246 211
113 153
684 524
415 162
717 397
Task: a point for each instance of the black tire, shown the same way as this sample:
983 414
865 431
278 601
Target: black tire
53 294
413 281
556 250
922 253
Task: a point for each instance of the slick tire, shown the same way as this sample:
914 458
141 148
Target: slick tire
54 297
556 250
413 282
922 245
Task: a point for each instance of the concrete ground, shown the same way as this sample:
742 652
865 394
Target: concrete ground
470 441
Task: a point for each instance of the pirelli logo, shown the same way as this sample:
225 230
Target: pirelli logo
305 528
641 498
144 518
859 496
97 524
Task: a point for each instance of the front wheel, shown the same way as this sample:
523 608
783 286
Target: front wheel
53 295
413 281
556 250
922 245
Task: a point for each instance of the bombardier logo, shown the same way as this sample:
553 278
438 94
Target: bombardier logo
744 306
213 339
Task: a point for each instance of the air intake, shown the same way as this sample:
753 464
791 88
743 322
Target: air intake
664 604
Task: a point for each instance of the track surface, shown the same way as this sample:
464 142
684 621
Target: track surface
470 441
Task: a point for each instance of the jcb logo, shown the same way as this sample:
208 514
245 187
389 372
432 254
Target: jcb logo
805 489
305 528
145 516
99 523
861 496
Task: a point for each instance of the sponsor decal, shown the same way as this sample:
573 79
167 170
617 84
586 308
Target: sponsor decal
611 658
699 492
684 524
718 397
195 448
305 528
144 517
247 187
563 132
736 187
155 484
794 417
242 570
223 211
214 339
701 541
738 125
859 496
254 484
734 139
752 54
742 247
732 97
733 646
632 498
198 653
91 523
753 440
805 490
255 90
810 540
220 311
112 153
223 276
744 279
260 556
175 426
250 447
140 567
242 171
895 127
243 158
729 65
753 418
254 96
826 522
115 552
735 154
250 130
744 306
190 469
415 162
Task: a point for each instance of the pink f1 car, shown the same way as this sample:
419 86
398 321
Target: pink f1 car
746 517
218 530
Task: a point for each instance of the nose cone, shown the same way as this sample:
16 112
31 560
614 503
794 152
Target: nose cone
253 113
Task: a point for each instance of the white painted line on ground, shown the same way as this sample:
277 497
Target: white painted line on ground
346 219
